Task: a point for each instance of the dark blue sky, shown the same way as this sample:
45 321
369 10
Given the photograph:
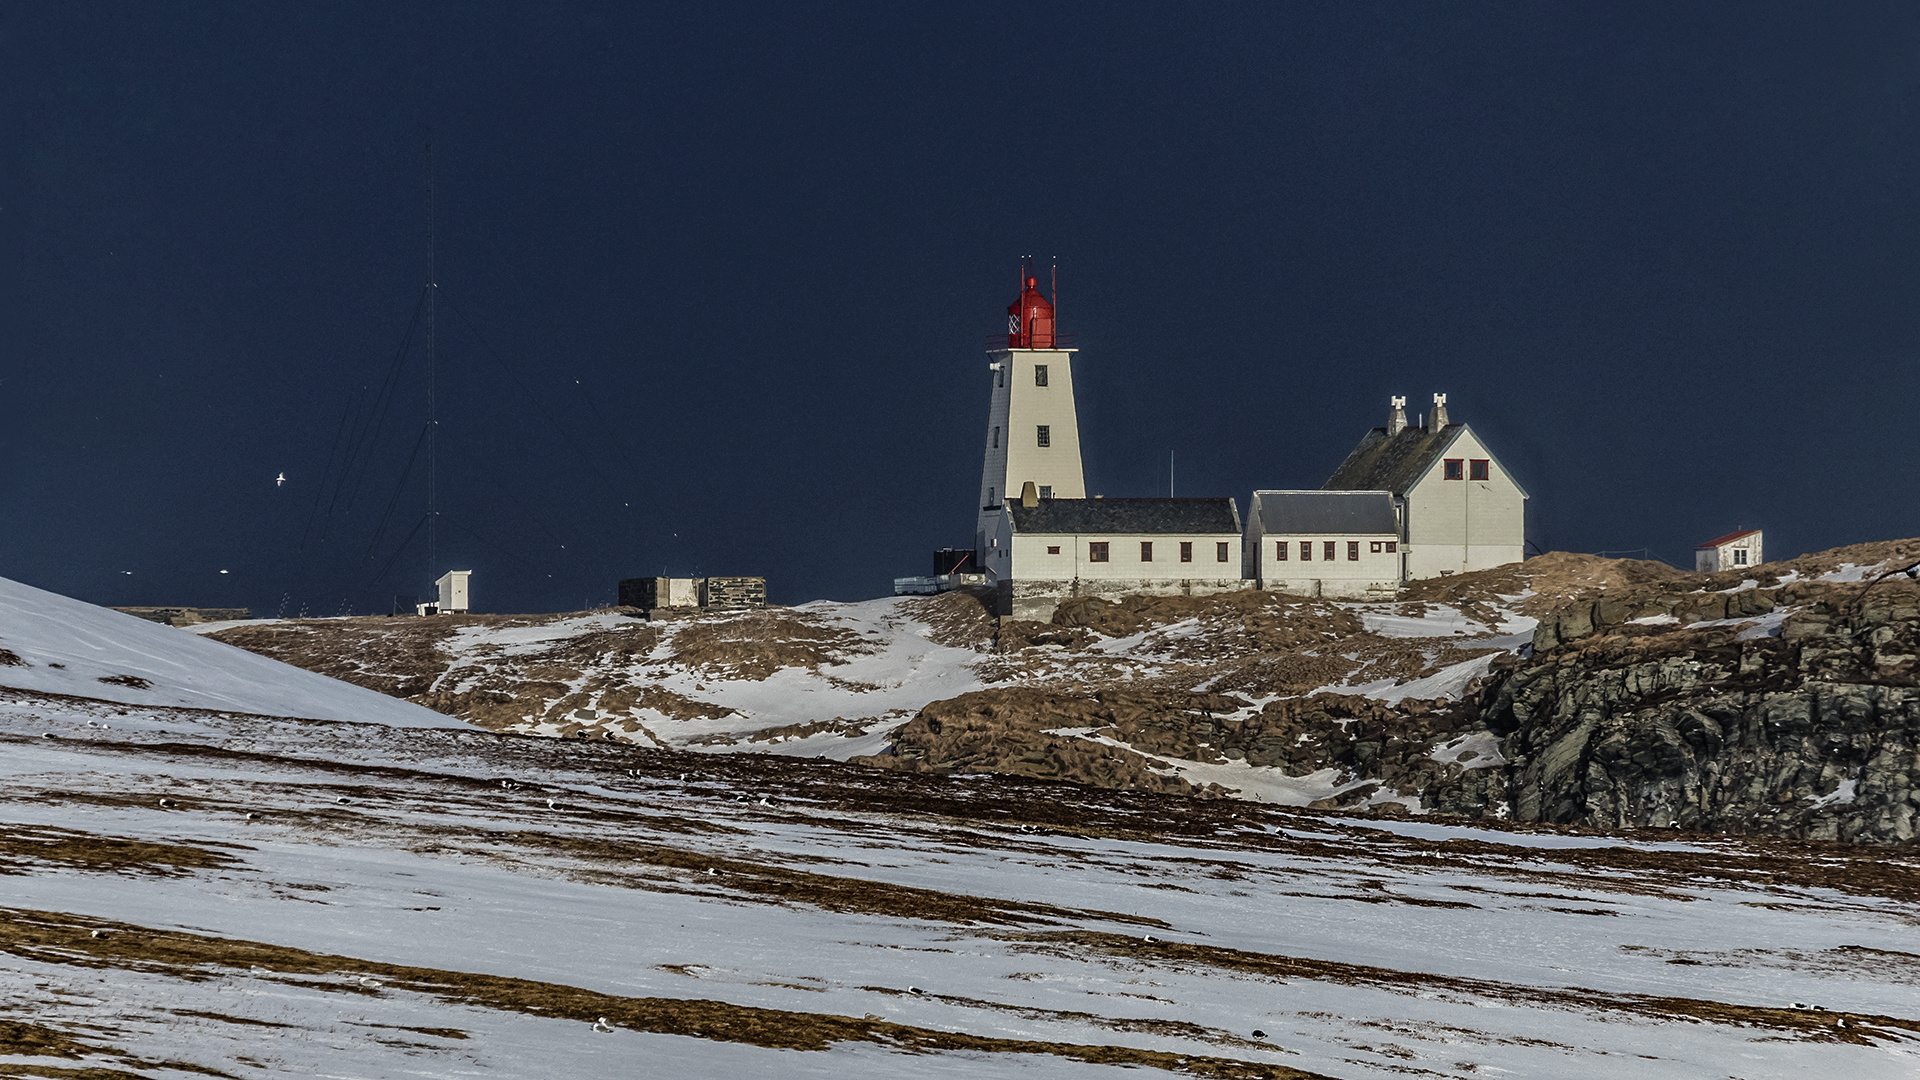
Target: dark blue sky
715 280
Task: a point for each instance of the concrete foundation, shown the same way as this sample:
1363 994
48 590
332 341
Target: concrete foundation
1036 600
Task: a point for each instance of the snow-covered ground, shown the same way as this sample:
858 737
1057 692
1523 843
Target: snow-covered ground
288 897
55 644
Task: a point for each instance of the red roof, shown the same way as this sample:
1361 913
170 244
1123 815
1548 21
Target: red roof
1730 538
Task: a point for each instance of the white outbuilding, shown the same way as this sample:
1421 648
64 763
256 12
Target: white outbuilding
1458 508
1324 543
1734 551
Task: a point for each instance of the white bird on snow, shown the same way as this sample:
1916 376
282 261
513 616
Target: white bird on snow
371 984
603 1027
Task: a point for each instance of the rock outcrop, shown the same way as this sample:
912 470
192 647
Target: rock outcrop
1813 732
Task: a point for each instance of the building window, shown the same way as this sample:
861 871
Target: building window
996 438
1053 549
1039 374
1326 550
1306 551
989 496
1373 548
1046 435
1146 551
1393 546
1353 551
1186 551
1220 552
1046 491
1279 551
1002 376
1455 468
1477 469
1097 551
1739 556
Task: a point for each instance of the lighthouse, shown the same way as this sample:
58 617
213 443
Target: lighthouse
1033 433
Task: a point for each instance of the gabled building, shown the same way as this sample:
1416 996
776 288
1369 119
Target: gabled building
1042 551
1734 551
1324 543
1458 507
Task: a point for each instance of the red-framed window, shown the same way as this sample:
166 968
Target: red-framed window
1306 551
1186 551
1393 546
1373 548
1456 468
1146 551
1279 551
1477 469
1053 549
1220 551
1353 551
1097 551
1327 549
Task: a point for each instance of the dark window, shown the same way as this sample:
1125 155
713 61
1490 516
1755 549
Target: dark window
1326 551
1039 374
1186 551
1306 551
1097 551
1373 548
1739 556
989 496
1279 551
1220 552
1393 546
1053 549
1146 551
996 438
1046 491
1046 435
1353 551
1477 469
1455 468
1002 373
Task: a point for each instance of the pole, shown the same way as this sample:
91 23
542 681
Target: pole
433 423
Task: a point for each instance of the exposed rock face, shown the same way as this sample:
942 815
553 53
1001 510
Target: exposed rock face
1814 733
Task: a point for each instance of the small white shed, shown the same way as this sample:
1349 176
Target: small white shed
1734 551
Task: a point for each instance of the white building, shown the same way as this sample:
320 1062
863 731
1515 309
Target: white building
1459 508
450 594
1033 432
1324 543
1734 551
1042 551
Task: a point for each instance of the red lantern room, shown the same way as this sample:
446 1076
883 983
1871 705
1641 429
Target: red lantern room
1030 319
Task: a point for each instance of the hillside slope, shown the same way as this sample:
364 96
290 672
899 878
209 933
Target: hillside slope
196 893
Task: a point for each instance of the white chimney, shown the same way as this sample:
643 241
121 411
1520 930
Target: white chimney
1397 419
1439 411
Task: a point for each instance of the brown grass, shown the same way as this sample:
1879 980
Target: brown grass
49 937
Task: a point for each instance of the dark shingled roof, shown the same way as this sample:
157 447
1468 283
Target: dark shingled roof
1392 464
1122 516
1354 513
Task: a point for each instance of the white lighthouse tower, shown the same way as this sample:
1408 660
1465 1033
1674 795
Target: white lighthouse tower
1033 432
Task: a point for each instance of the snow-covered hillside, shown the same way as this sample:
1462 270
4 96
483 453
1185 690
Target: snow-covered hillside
55 644
190 893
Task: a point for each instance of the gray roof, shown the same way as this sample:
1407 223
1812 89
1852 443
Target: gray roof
1392 464
1122 516
1352 513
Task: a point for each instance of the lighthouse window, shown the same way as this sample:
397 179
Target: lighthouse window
996 438
1039 374
1046 491
1046 435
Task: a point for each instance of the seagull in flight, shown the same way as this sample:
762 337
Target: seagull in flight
280 481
